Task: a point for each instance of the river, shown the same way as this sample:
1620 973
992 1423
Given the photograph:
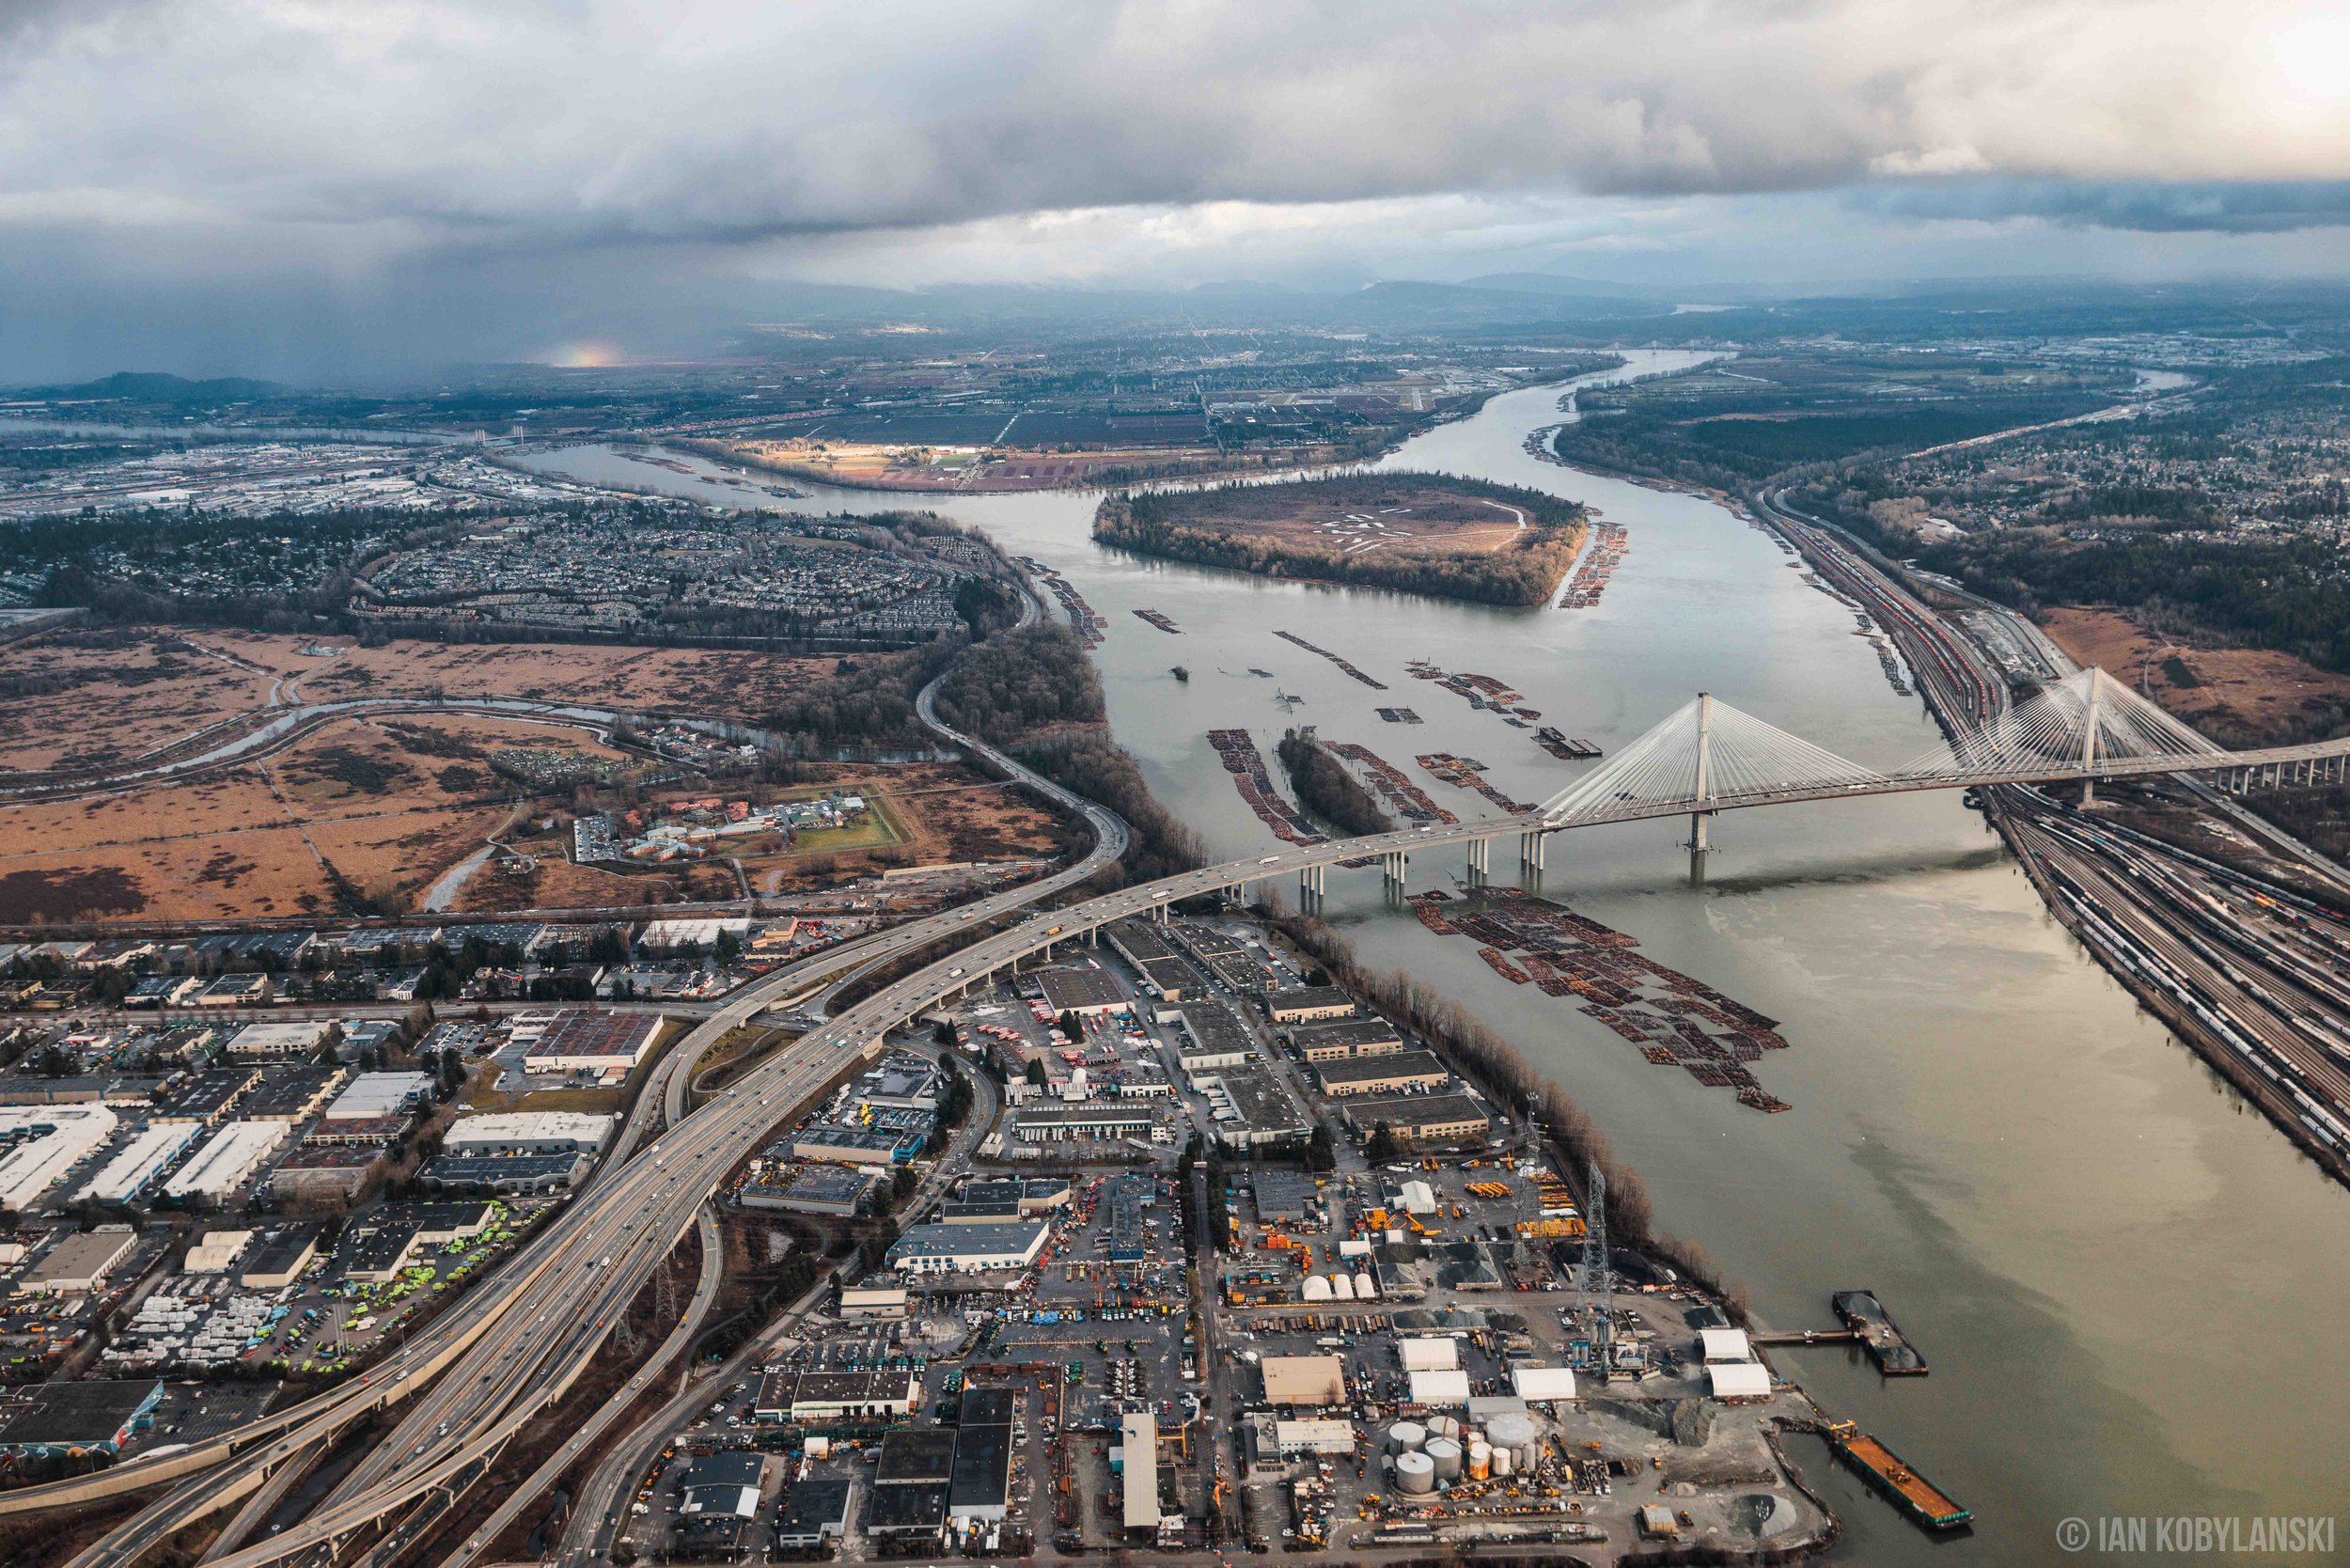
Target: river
2126 1283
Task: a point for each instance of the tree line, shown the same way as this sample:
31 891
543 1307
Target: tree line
1328 789
1010 685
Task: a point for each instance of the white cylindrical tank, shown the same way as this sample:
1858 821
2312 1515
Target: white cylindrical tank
1443 1426
1504 1464
1517 1435
1341 1287
1481 1460
1444 1454
1415 1474
1317 1288
1406 1436
1366 1288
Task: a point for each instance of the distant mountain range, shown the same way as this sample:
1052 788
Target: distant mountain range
154 386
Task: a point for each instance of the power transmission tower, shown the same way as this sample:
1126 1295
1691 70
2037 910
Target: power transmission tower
624 1337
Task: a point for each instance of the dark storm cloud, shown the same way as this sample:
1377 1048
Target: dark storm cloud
2188 207
346 153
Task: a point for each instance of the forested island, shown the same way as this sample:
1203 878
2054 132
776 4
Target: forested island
1417 533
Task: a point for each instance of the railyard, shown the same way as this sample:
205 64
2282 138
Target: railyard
2244 964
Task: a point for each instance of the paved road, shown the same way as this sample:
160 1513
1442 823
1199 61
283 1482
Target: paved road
510 1361
528 1341
598 1513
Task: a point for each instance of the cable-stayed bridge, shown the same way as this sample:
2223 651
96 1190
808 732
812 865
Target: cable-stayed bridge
1707 756
500 1357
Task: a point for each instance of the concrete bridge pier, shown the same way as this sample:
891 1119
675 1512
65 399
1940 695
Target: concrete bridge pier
1530 847
1312 884
1480 860
1393 867
1699 847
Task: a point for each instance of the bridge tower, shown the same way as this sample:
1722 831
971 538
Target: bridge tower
1701 788
2089 737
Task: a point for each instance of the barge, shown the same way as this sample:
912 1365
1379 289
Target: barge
1926 1504
1886 1345
1565 747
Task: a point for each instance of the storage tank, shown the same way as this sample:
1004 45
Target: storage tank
1406 1437
1317 1288
1518 1436
1503 1465
1481 1460
1341 1287
1444 1454
1443 1426
1415 1474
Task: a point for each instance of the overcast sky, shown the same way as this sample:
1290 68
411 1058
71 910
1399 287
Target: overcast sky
292 188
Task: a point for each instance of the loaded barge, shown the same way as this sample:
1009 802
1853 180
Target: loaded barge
1880 1468
1886 1345
1566 749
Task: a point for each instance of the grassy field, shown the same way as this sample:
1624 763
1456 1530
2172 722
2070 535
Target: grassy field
1423 533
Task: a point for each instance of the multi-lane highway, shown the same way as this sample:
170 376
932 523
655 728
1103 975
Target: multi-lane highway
518 1341
526 1336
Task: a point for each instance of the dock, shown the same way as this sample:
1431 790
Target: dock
1886 1345
1925 1503
1806 1337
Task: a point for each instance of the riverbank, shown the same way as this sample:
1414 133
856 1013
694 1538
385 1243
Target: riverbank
1987 1130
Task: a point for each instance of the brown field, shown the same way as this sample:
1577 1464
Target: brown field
387 804
2243 695
380 807
1414 517
150 687
90 699
704 683
872 467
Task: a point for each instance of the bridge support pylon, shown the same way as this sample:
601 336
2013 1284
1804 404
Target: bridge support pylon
1480 860
1313 883
1394 866
2089 737
1699 847
1530 851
